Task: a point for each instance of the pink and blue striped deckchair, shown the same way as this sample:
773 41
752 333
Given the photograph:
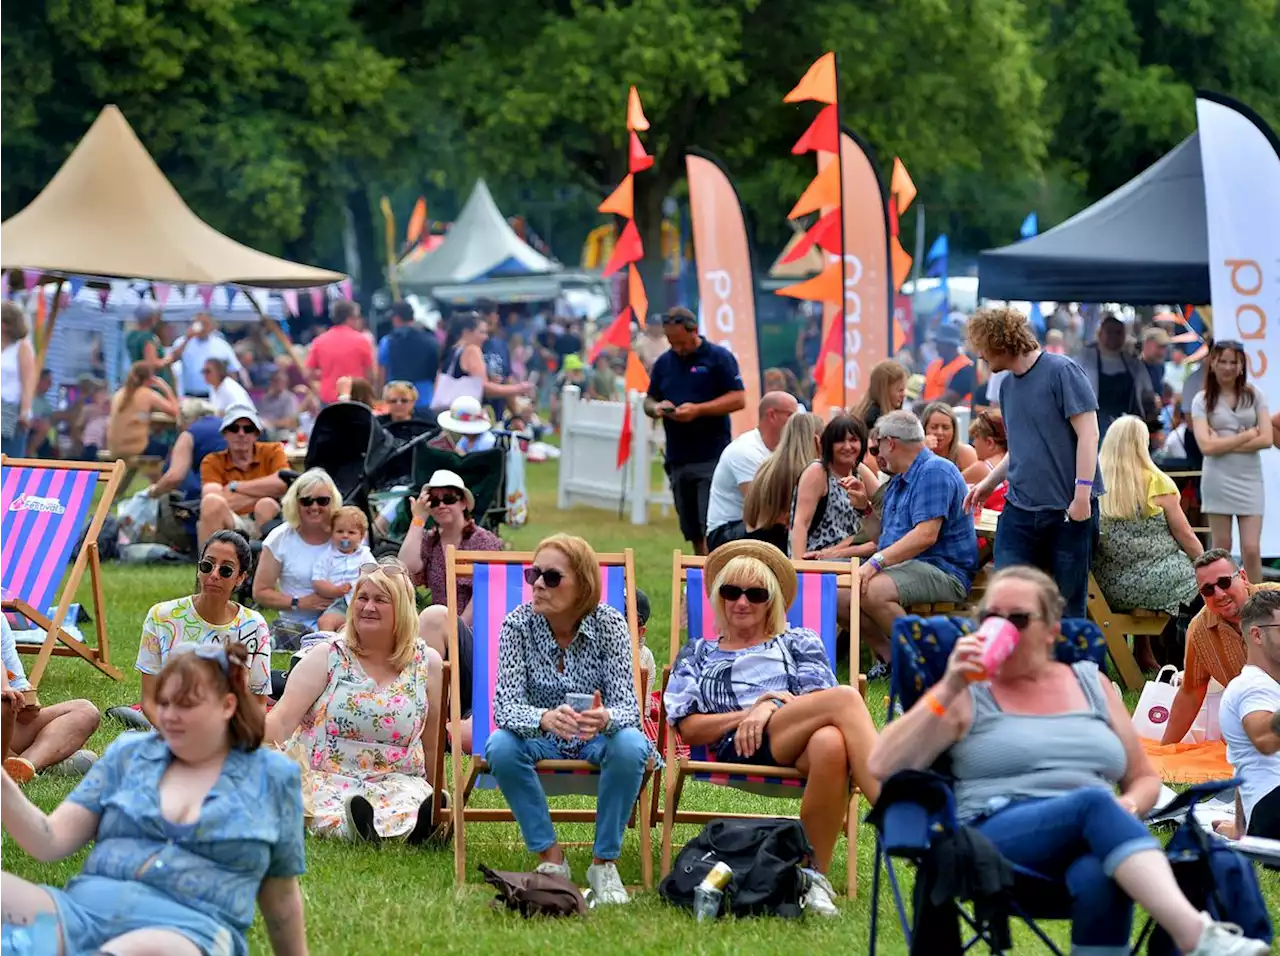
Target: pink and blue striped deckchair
815 607
44 506
498 587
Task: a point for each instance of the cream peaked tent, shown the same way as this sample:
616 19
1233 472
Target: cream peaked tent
480 245
110 211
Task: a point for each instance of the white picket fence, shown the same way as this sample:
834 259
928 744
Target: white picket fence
589 434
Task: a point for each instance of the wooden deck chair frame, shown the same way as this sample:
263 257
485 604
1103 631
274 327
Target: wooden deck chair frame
678 769
1117 627
57 642
461 564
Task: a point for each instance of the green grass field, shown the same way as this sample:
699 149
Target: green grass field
396 900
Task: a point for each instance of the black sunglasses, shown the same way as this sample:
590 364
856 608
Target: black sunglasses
445 498
241 429
224 570
731 593
550 576
1021 620
307 501
1221 584
1228 344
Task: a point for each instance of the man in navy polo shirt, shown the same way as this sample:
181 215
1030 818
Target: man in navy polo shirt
693 388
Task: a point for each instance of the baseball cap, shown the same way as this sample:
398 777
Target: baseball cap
234 413
642 608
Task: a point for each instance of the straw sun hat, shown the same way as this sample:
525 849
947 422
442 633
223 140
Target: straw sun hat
773 559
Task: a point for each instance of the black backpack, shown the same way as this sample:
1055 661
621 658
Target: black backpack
766 857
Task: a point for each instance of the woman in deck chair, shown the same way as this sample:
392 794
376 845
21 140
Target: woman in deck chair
190 827
1038 750
764 694
567 642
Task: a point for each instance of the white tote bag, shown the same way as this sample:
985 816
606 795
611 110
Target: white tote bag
1152 713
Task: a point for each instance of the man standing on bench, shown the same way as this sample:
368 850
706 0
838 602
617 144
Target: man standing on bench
39 738
241 486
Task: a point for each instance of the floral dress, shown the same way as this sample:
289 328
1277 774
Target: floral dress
834 517
363 739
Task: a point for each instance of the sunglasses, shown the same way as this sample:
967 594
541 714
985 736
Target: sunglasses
241 429
550 576
386 566
307 501
445 498
1021 620
1221 584
1231 344
731 593
224 570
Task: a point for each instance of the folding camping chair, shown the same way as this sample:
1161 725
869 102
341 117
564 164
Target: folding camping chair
498 587
44 506
1117 627
815 608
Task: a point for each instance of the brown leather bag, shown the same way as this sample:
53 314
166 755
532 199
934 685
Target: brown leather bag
535 894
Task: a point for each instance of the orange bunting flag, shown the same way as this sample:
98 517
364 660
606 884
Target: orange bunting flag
621 201
824 287
638 160
824 191
637 379
901 262
822 135
417 221
825 234
636 295
635 112
617 335
627 249
818 84
901 187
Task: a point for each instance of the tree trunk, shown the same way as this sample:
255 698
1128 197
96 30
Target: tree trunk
369 262
650 192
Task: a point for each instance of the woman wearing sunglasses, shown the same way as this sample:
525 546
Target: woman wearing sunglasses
365 707
1048 767
446 502
209 616
289 555
566 642
400 398
1232 427
192 828
764 693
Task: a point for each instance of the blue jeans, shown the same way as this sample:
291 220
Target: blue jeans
1047 540
621 758
1080 839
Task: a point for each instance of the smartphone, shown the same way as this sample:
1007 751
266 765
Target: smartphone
579 702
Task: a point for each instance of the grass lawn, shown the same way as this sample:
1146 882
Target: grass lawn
394 900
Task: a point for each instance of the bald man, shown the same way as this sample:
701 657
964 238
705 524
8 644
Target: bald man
738 465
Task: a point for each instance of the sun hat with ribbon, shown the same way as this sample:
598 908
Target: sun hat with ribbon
465 416
777 563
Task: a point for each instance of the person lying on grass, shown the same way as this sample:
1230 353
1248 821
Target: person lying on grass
360 703
190 825
764 693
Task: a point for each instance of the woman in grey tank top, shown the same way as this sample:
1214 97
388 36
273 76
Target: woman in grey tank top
1038 751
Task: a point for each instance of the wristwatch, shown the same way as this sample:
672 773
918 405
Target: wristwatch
293 603
231 486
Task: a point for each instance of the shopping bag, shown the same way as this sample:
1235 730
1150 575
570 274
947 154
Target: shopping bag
1152 713
1206 725
138 517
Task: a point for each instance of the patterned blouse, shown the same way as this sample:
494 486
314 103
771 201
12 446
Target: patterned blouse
250 828
710 680
535 674
171 623
432 574
837 519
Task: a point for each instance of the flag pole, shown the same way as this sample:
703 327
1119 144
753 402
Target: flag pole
844 339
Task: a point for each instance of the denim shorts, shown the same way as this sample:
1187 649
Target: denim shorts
93 910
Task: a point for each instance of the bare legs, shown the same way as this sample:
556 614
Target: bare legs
792 729
1150 883
57 732
1250 540
826 792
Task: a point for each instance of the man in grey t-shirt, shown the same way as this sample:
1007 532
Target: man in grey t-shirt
1051 418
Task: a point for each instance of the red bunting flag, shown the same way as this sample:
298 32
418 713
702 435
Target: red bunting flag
624 438
825 234
627 249
638 160
822 135
617 335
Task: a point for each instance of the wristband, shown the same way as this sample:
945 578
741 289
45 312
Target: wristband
1084 482
418 523
934 704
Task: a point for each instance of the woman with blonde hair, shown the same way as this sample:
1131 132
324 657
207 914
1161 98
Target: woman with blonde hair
886 392
764 693
401 398
365 707
1141 514
767 507
129 424
942 435
17 379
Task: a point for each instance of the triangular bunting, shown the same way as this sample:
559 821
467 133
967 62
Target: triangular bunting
103 295
818 83
825 234
901 186
161 291
621 201
627 249
30 278
119 289
206 294
823 134
824 287
617 335
345 288
637 379
230 292
636 296
823 191
317 302
638 160
635 112
290 297
76 283
901 262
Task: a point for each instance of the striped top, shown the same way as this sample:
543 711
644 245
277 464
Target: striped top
1007 757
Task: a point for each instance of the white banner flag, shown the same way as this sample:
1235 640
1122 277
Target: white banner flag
1241 160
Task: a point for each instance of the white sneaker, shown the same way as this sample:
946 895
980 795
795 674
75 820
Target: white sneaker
1226 939
820 897
606 886
77 765
555 869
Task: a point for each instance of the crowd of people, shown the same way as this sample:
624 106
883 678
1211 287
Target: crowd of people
204 809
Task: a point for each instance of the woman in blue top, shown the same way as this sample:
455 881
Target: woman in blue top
190 826
764 693
1038 751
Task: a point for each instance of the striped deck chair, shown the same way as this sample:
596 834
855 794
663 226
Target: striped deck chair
815 608
498 587
44 506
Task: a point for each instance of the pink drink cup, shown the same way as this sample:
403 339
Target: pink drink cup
999 638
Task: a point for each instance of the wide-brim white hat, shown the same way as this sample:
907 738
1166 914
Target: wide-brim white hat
465 417
443 478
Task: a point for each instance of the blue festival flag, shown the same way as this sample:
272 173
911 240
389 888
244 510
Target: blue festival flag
1030 226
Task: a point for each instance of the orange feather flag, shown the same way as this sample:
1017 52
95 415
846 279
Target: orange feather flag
635 112
636 296
637 159
824 287
818 83
617 335
621 201
901 262
901 187
824 190
637 379
627 249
